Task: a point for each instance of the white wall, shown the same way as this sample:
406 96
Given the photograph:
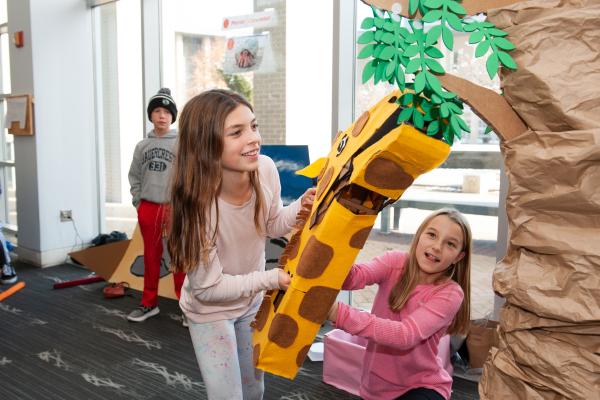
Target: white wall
55 168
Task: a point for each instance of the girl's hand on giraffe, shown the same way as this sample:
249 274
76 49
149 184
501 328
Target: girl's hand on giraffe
332 315
308 199
283 279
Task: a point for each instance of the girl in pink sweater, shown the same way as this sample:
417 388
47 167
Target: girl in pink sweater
423 295
225 201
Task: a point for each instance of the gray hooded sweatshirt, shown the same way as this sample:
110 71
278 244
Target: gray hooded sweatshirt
149 174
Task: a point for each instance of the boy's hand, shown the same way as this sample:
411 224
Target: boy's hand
283 279
332 315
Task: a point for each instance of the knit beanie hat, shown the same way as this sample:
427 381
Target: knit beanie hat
162 99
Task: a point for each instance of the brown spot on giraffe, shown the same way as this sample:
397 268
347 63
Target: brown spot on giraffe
324 182
263 312
360 124
302 355
283 330
360 237
314 259
316 303
386 174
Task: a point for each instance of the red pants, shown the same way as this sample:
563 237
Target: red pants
153 218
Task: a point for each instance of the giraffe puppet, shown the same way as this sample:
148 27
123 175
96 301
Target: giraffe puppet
370 164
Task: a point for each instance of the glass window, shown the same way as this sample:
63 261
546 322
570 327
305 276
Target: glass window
120 106
263 50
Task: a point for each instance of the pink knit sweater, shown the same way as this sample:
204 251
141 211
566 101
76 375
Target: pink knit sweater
403 347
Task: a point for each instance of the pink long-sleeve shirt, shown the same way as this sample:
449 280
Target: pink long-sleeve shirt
402 353
234 278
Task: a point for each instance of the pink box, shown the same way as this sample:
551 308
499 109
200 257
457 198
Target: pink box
343 359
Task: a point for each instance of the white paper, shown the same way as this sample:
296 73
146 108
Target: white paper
316 352
16 110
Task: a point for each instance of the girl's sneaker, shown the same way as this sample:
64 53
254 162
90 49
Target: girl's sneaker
142 313
8 274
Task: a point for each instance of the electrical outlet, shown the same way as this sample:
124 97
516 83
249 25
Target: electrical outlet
66 215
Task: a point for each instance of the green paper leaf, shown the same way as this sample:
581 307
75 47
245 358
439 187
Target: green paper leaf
433 3
410 38
378 49
434 66
417 118
454 108
491 65
368 71
390 69
496 32
463 125
411 51
366 51
419 82
412 6
367 23
447 37
487 24
433 128
455 7
432 16
448 95
434 52
488 129
436 99
400 78
434 83
379 22
387 53
404 115
413 66
407 99
380 72
503 43
454 22
482 48
507 60
378 34
475 37
389 26
388 38
448 136
366 37
444 111
471 27
433 35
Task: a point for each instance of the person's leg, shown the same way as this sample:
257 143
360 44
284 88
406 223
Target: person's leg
9 274
421 394
216 351
252 378
151 228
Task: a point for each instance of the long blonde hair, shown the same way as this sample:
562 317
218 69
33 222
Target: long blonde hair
460 272
197 177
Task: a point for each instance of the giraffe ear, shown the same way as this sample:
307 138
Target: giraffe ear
313 170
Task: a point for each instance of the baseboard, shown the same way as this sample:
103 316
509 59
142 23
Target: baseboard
44 259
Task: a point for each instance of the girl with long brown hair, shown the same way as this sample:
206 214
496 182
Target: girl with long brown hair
225 201
423 295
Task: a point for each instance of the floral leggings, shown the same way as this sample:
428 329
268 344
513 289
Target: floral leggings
224 353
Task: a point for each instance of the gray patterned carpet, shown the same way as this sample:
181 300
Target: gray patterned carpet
73 344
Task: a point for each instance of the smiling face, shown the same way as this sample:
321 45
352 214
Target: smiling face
439 246
241 141
162 119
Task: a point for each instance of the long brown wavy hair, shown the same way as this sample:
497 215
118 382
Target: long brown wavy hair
460 272
197 176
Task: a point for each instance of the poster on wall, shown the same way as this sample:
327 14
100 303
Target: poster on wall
251 53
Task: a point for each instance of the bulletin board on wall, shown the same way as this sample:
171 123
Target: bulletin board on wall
19 114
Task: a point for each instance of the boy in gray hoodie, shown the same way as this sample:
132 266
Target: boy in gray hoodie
149 179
